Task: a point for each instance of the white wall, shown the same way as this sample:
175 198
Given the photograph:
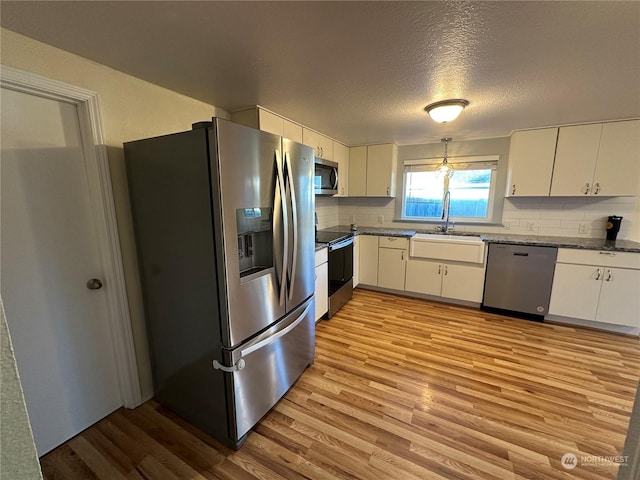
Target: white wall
554 216
130 109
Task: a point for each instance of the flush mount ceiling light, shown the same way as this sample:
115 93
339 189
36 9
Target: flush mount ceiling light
445 169
446 110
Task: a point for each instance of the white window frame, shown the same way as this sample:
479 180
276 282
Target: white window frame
462 163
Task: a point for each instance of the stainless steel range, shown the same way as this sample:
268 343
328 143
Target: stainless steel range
340 247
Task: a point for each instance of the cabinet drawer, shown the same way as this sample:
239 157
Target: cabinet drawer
322 256
400 243
599 257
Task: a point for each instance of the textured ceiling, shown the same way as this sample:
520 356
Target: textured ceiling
362 72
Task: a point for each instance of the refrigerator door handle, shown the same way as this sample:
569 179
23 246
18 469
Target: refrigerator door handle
259 343
294 217
281 215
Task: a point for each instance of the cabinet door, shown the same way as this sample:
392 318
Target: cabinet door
322 146
270 122
391 268
618 165
357 171
381 170
531 155
368 260
575 161
424 276
356 261
463 282
292 131
575 291
620 297
341 157
322 290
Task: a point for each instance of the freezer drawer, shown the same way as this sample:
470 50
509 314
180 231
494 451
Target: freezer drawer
273 361
519 278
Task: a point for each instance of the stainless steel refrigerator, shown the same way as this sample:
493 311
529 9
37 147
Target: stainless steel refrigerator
224 227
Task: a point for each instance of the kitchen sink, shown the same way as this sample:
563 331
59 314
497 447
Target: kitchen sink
446 237
456 248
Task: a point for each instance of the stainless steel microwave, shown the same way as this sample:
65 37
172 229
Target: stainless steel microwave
325 179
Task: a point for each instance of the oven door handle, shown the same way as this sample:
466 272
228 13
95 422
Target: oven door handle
342 244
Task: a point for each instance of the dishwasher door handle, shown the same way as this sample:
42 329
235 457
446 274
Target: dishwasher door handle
521 254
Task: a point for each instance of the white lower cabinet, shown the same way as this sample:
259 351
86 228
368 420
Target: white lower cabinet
597 286
368 259
391 268
449 280
356 261
392 260
322 283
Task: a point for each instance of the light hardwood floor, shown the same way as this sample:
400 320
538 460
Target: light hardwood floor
401 389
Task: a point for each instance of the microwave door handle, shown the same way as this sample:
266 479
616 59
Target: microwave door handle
294 219
334 174
281 220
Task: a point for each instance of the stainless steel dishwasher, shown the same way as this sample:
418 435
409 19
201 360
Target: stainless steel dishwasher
519 279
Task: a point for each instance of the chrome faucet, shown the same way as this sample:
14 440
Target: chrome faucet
446 206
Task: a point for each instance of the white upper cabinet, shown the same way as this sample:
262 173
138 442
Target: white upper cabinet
599 159
576 158
531 155
372 170
618 165
322 145
262 119
357 171
341 157
382 161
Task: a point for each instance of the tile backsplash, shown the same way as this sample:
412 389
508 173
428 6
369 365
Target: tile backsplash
555 216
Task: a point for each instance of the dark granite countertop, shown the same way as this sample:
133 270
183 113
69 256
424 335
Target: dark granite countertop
537 240
564 242
320 246
380 231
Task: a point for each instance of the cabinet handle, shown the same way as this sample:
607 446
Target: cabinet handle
513 189
388 189
403 255
596 190
608 253
609 276
439 269
587 189
598 273
446 270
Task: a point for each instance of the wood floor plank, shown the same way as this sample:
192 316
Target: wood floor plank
401 388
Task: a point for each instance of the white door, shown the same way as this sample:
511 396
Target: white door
59 328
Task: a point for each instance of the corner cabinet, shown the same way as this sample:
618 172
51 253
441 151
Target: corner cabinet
368 260
600 159
322 145
531 157
372 170
262 119
341 157
599 286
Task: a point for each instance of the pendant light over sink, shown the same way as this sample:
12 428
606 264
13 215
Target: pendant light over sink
446 110
445 169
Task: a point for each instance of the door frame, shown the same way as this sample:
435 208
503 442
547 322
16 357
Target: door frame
103 210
